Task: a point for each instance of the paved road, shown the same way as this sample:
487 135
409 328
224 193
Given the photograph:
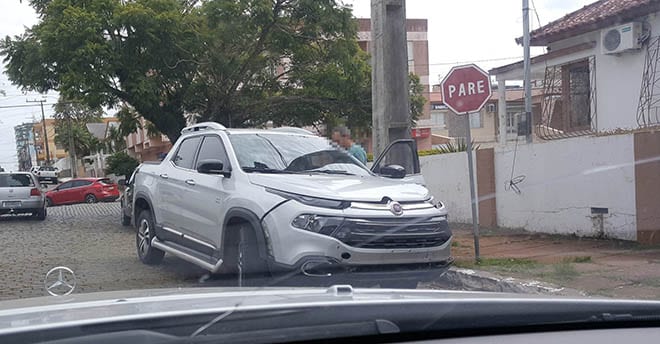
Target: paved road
89 239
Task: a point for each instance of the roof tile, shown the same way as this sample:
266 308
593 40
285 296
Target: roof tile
594 16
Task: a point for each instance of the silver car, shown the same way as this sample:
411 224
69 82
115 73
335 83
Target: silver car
20 193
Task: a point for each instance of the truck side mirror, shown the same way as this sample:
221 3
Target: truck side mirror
212 166
393 171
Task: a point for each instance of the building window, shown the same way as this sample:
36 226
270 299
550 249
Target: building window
577 95
475 120
512 122
438 119
568 103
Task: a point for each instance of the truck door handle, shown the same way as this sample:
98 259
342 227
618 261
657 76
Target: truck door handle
164 176
190 182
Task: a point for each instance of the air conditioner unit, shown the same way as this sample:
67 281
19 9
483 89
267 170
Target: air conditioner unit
618 39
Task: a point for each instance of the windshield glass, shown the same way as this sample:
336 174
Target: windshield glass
292 153
252 146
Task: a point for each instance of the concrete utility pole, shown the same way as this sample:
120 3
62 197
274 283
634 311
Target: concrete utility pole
72 149
389 75
43 122
527 73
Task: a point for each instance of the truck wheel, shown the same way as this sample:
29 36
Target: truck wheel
125 220
242 257
148 254
403 284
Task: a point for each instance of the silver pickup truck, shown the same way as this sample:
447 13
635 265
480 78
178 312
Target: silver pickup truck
249 202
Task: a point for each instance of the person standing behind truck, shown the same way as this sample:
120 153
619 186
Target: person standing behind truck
342 136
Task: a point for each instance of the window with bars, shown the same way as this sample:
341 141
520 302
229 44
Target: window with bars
577 96
568 106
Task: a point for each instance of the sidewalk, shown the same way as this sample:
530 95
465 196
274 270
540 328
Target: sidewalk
610 268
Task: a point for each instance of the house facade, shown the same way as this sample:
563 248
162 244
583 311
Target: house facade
484 125
41 139
143 147
593 166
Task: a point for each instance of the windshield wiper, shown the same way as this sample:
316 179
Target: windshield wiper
266 170
342 172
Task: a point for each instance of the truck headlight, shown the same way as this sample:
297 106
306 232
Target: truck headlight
317 223
312 201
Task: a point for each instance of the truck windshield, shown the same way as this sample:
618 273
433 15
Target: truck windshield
280 153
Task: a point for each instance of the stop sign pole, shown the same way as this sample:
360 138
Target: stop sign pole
473 193
465 90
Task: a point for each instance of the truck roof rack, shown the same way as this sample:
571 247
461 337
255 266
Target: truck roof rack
293 130
203 126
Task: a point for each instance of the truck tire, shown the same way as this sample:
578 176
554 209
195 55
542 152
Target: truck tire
242 257
125 220
145 232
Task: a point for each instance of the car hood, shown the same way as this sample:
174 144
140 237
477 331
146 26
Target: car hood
342 187
104 307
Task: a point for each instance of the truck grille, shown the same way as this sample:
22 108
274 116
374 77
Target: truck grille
394 233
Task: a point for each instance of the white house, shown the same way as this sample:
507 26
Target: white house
597 58
593 168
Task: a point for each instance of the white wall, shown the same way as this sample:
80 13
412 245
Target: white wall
563 180
446 176
618 85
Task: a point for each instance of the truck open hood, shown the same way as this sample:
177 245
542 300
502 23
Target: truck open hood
341 187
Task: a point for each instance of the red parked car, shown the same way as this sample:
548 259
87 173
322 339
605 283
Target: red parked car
83 190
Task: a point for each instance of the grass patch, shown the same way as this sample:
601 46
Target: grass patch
579 259
455 244
564 271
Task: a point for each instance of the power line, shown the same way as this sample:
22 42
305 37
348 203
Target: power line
20 106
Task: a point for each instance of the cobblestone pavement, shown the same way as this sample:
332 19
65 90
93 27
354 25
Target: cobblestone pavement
89 239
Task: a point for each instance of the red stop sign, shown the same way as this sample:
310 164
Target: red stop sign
466 89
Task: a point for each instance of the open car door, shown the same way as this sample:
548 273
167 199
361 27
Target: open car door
400 161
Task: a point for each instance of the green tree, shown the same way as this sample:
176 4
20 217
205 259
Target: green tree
121 164
108 52
238 62
71 131
417 99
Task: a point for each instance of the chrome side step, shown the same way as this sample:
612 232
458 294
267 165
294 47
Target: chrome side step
186 255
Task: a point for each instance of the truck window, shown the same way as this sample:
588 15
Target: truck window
212 148
185 155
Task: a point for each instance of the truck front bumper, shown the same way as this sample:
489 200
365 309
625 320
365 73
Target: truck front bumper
382 257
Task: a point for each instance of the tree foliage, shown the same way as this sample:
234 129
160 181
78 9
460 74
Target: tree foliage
121 164
237 62
71 119
417 99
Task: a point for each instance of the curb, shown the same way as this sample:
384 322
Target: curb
473 280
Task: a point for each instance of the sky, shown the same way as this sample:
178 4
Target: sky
460 31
